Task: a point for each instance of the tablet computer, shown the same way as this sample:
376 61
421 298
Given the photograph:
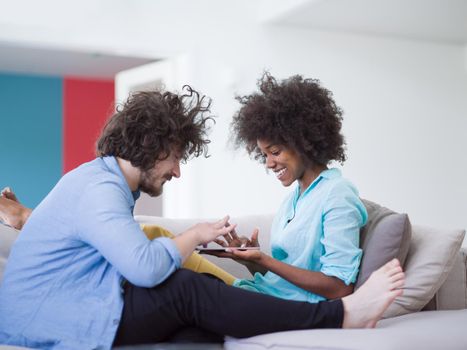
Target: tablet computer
222 249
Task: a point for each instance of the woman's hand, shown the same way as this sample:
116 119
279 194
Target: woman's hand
249 258
245 255
237 243
232 239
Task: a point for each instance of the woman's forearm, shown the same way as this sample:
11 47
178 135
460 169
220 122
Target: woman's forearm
254 267
313 281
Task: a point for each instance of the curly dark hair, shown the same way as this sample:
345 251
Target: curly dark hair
151 123
296 113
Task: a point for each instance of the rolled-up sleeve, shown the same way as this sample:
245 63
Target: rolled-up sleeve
106 223
343 216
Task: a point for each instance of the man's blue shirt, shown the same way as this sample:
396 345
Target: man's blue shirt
62 284
317 231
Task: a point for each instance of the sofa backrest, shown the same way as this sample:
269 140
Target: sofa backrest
451 295
419 291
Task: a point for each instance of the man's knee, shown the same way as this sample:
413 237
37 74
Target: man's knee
184 276
186 282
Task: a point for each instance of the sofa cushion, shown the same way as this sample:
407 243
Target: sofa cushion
423 330
431 256
7 237
385 236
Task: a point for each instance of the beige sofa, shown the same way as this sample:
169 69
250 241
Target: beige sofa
441 325
436 280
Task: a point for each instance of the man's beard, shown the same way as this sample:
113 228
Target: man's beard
147 181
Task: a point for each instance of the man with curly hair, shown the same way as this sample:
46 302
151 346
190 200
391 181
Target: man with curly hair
294 128
83 275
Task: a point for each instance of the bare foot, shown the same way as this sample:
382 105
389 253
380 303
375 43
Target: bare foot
12 212
8 193
366 306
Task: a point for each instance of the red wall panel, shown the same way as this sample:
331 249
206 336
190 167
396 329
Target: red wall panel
87 105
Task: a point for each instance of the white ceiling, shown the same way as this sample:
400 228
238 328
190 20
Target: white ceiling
54 42
47 61
443 21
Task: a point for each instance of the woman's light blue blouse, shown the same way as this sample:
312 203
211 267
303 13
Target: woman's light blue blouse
317 231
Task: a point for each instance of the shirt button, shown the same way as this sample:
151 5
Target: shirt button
116 322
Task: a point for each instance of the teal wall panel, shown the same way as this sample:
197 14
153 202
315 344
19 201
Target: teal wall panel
31 143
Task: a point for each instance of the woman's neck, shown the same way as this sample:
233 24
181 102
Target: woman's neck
310 175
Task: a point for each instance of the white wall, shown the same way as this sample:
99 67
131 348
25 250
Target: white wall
405 120
405 101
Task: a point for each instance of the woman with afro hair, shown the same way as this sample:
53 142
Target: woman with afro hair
293 127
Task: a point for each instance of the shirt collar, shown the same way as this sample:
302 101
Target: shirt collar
331 173
325 174
112 165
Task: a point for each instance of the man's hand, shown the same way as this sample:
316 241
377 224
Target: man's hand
209 231
201 233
